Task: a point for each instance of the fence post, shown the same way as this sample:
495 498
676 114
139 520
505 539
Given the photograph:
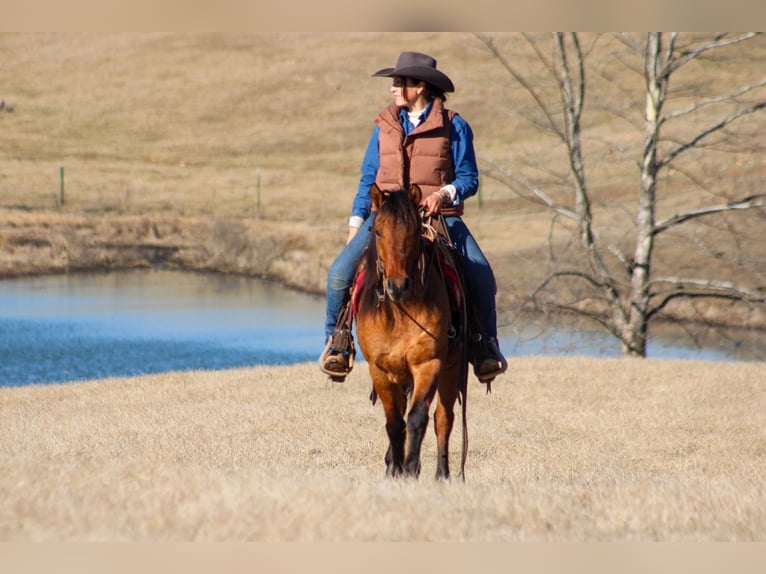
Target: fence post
258 191
61 188
478 193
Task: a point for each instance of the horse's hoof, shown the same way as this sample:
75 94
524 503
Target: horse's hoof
393 472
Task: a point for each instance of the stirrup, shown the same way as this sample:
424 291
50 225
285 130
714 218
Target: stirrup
337 359
491 353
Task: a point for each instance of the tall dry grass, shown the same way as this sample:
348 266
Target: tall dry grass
565 449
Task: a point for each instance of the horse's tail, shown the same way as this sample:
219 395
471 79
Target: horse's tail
435 230
464 337
462 384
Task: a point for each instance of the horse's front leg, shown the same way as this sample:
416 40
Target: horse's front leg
396 431
423 391
394 404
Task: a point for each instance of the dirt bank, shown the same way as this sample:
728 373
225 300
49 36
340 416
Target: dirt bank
44 242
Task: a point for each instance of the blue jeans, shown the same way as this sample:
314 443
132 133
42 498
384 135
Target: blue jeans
479 275
341 274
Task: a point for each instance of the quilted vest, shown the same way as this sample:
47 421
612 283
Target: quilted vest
423 157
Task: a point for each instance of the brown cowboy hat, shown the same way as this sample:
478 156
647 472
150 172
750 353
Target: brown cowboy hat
420 67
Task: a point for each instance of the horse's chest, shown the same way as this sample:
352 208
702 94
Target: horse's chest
396 346
394 365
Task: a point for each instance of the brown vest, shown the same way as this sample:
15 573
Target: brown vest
423 157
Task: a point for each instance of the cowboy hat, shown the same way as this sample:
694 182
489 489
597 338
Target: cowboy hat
420 67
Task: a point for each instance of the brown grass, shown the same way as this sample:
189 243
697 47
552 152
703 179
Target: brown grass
232 145
565 449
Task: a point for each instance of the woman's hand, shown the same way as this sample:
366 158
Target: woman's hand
434 202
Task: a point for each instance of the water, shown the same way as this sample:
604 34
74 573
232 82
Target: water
73 327
667 341
91 326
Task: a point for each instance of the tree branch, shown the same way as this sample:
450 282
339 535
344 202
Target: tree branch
490 44
710 130
700 288
753 201
718 41
755 295
605 323
631 42
714 100
544 284
538 195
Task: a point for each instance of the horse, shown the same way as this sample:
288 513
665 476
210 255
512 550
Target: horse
406 331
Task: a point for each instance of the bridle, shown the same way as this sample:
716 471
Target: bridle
423 267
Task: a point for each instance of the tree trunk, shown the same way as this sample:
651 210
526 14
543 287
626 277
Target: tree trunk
635 332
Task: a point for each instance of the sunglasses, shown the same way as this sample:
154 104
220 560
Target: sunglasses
400 82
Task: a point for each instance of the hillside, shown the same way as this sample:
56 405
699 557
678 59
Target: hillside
240 152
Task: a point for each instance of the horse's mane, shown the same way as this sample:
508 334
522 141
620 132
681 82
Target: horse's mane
369 286
397 205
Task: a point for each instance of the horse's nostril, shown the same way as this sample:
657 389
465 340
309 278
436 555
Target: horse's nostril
393 290
397 290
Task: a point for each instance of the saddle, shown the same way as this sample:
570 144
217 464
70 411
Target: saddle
449 264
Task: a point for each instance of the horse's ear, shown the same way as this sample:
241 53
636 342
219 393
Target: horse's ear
376 195
415 194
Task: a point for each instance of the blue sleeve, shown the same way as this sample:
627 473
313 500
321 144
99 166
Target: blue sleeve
464 157
370 163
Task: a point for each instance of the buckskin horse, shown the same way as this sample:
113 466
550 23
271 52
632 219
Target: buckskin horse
407 330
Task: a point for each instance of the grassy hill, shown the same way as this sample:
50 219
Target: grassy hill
240 152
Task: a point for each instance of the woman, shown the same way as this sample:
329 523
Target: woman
416 140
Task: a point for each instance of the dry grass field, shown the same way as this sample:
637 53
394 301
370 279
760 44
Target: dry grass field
240 153
564 449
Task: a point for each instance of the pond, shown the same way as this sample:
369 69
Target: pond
91 326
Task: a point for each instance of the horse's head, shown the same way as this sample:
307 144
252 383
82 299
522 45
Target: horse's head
397 230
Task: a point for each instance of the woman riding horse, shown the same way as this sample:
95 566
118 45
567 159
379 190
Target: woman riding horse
416 140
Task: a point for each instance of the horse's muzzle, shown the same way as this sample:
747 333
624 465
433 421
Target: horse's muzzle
398 290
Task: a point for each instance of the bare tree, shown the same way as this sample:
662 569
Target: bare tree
617 279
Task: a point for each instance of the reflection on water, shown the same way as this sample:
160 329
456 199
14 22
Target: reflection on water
667 341
88 326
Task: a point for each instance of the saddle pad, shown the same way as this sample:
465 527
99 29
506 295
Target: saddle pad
356 288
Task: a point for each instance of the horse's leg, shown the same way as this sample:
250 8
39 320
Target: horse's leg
394 403
396 430
424 389
444 418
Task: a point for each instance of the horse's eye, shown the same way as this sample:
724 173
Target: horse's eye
378 233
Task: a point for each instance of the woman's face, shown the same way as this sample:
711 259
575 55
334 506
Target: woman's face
407 92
